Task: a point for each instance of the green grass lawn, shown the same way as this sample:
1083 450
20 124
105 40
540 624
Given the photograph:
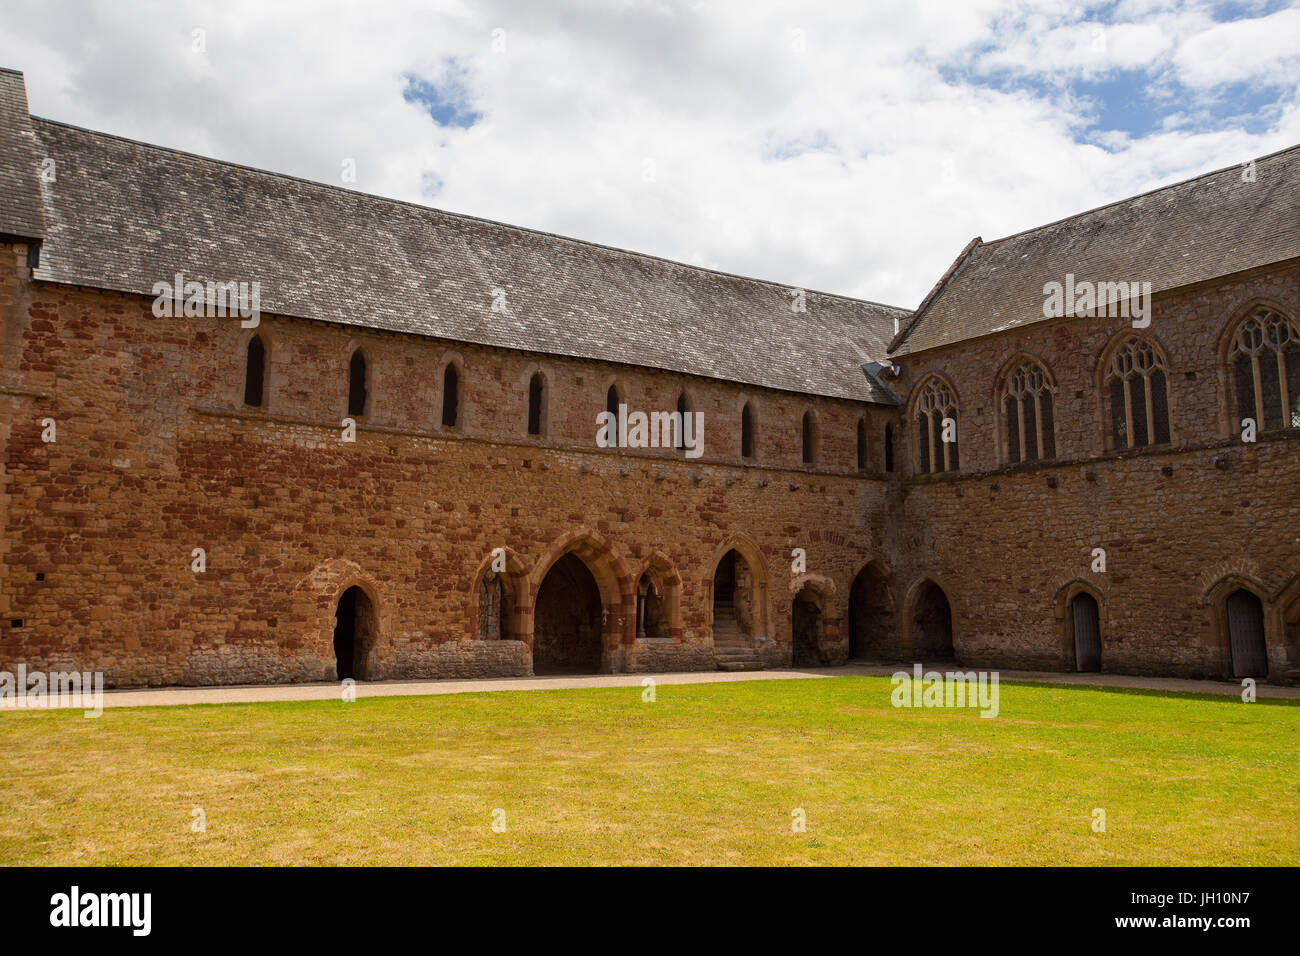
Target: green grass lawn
707 774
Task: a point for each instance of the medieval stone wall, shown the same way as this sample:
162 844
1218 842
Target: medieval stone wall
157 456
1181 525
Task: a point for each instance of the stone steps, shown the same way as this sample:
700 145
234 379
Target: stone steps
731 647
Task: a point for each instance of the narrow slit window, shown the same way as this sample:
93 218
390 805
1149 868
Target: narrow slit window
357 384
255 373
746 432
450 396
536 396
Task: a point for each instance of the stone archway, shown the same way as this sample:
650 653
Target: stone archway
1242 622
316 600
807 624
356 632
737 588
567 626
931 624
594 584
499 598
871 615
1247 643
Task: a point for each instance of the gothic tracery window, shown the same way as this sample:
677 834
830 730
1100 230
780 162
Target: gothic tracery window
1137 385
1265 361
936 429
1029 414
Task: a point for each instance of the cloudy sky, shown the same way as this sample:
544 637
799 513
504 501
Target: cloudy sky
850 147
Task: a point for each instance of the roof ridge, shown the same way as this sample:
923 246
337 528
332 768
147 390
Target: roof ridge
468 216
935 292
1141 195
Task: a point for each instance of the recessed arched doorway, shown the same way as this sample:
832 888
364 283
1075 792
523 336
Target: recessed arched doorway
355 629
869 615
1245 613
567 620
1085 625
932 624
806 629
738 617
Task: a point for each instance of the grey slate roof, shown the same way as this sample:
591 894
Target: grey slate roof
20 195
1204 228
124 215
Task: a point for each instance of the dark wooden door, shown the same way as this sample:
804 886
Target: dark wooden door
1246 635
1087 633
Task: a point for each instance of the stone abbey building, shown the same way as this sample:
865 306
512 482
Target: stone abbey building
395 473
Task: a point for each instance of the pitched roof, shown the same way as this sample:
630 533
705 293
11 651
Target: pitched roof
20 210
1200 229
124 215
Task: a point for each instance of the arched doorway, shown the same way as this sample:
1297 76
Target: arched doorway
1245 613
739 607
806 629
567 620
869 615
355 627
736 596
932 624
1085 623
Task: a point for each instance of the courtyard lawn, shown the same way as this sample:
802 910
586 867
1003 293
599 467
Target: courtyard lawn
707 774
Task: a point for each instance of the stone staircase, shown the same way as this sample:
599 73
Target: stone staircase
730 645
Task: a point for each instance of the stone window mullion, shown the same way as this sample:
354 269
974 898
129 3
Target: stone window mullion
1128 410
1151 418
1282 386
1038 422
1020 412
1258 377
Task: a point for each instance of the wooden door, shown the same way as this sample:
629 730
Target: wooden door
1246 635
1087 633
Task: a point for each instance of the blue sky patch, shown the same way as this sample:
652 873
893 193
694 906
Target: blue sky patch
447 102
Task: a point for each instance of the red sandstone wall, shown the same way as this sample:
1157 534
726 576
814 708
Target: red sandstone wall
156 456
1005 543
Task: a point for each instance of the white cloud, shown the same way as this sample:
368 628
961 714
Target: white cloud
1264 50
854 166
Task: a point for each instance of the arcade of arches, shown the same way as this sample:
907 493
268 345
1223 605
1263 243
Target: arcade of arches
575 627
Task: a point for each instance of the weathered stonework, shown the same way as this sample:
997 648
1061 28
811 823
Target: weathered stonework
170 533
156 456
1011 545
